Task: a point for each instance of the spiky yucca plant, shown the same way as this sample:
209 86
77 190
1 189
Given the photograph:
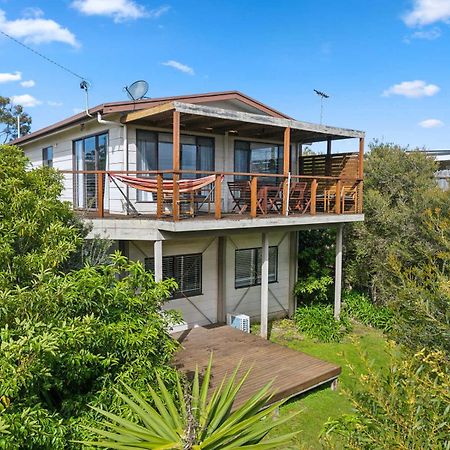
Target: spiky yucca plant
189 421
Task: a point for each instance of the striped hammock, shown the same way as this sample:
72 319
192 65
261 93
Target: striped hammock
149 185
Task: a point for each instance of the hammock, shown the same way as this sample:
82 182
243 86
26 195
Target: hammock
149 185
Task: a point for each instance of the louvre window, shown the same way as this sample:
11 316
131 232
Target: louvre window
47 156
186 270
248 266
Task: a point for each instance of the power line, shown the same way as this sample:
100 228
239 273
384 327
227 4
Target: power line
43 56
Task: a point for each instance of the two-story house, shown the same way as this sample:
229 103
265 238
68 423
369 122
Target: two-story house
209 189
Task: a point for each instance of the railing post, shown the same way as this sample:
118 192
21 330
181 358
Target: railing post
337 204
286 169
176 166
253 196
313 196
159 195
359 193
218 197
100 195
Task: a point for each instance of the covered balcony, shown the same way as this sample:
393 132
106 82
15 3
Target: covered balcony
249 178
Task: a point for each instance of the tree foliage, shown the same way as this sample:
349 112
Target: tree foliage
9 113
405 407
67 336
399 187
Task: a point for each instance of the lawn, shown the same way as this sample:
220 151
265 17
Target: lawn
323 403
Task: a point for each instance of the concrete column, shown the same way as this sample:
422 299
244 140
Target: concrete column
221 278
293 270
157 252
338 273
265 286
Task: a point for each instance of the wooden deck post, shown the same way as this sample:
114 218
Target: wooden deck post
338 273
218 197
159 196
286 169
337 206
359 207
176 166
158 256
313 197
100 194
265 286
253 196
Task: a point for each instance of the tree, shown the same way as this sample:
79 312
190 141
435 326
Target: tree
9 115
67 335
399 187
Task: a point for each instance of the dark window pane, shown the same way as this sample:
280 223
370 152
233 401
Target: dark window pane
185 269
248 266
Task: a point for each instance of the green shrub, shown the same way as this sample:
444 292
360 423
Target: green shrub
318 322
403 407
313 289
359 307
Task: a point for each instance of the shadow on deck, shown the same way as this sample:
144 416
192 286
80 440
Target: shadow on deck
293 372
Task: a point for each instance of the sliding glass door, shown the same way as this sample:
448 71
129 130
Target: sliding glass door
257 157
155 152
90 153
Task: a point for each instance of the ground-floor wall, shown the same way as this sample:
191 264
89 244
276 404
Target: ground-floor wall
219 293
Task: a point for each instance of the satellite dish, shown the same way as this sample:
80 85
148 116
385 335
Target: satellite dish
137 90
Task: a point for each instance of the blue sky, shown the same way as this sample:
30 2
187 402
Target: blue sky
384 63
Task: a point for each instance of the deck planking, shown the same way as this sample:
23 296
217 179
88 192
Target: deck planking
292 372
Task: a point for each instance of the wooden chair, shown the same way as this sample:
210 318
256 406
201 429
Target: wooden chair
299 200
240 193
349 187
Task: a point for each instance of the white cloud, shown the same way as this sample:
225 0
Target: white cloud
28 83
179 66
36 30
412 89
431 123
26 100
426 12
428 35
6 77
52 103
119 10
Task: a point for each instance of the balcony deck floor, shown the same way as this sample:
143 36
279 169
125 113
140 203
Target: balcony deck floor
292 372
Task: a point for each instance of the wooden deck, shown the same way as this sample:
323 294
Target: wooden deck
293 372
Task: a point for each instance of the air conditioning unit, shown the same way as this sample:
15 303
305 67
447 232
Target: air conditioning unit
239 321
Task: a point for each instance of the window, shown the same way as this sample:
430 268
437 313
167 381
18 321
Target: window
154 152
185 269
89 154
248 267
256 157
47 156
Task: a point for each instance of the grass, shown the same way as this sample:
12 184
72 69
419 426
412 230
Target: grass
322 404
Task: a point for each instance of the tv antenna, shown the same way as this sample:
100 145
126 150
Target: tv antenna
136 90
322 95
85 85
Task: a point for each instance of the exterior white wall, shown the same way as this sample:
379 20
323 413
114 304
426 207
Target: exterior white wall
237 301
247 300
200 309
62 144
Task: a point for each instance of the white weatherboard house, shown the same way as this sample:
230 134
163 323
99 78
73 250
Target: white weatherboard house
210 189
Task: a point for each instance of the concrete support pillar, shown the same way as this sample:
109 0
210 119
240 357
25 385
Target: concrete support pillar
221 278
293 270
158 255
338 273
265 286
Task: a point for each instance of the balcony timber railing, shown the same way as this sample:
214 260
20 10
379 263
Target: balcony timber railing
103 193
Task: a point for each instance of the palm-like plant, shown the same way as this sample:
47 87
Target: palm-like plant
189 421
